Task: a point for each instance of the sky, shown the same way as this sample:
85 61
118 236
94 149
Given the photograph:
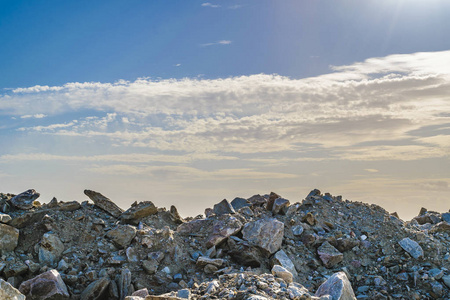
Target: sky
190 102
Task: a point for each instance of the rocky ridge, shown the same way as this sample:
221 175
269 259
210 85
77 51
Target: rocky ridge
258 248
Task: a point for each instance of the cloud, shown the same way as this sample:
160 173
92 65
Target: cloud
208 4
358 112
36 116
221 42
371 170
236 6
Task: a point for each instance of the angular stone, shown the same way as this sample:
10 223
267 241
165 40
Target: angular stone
175 216
8 292
338 287
310 219
141 210
329 255
16 268
122 235
282 273
50 249
96 290
446 280
141 293
184 294
264 233
125 284
5 218
25 200
257 200
223 207
69 206
281 258
272 197
28 218
104 203
280 206
222 228
48 285
412 247
297 230
203 261
313 193
9 238
245 254
239 203
150 266
441 227
446 217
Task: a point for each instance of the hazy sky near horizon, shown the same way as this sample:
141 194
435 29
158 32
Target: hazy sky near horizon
189 102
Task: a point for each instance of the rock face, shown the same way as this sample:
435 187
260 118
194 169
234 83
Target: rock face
139 211
412 247
51 249
48 285
223 207
266 234
122 235
329 255
104 203
25 200
281 258
222 229
283 273
9 237
338 287
8 292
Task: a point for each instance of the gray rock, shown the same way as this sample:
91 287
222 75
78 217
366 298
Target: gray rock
338 287
15 268
257 200
297 230
96 290
239 203
437 288
441 227
4 218
8 292
138 211
50 249
280 206
150 266
141 293
222 228
203 261
264 233
9 238
104 203
25 200
446 217
122 235
412 247
329 255
272 197
48 285
281 258
125 284
436 273
282 273
223 207
446 280
184 294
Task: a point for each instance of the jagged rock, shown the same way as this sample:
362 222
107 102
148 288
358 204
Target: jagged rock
136 212
69 206
141 293
329 255
441 227
125 287
310 219
50 249
9 238
446 217
48 285
28 218
5 218
203 261
175 215
245 254
8 292
239 203
272 197
15 268
223 207
104 203
281 258
96 290
122 235
282 273
446 280
150 266
412 247
257 200
25 200
264 233
297 230
338 287
280 206
222 229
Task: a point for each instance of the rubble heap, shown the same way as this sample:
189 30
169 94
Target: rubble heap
258 248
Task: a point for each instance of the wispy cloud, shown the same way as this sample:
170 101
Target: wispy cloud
221 42
36 116
208 4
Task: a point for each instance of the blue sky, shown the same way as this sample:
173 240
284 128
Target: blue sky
227 98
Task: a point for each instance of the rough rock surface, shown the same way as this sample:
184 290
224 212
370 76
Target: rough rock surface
8 292
48 285
138 211
9 237
230 256
338 287
104 203
25 200
50 249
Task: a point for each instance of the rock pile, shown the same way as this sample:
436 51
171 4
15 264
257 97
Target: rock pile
258 248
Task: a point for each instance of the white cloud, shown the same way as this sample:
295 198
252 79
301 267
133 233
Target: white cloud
208 4
221 42
36 116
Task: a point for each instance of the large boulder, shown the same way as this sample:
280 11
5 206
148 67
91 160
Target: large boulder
138 211
122 235
25 200
50 249
8 292
412 247
222 228
329 255
264 233
104 203
9 237
338 287
48 285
